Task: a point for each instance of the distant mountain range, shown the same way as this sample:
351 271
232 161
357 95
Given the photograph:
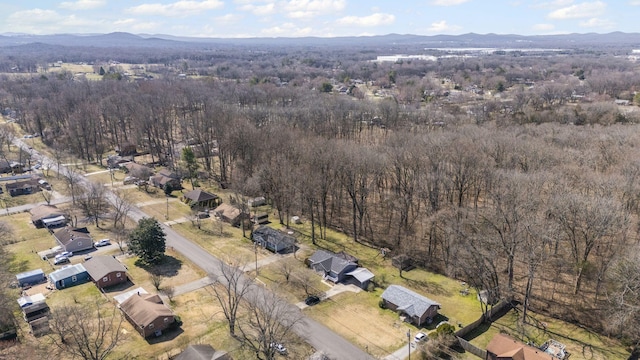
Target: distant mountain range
618 40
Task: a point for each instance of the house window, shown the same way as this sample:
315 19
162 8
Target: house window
74 278
150 326
118 274
105 279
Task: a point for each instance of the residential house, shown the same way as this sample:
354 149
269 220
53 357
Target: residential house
30 277
258 201
34 308
230 214
147 313
24 187
69 276
74 239
8 167
126 148
418 309
200 199
136 170
105 271
47 216
274 240
166 177
339 268
504 347
202 352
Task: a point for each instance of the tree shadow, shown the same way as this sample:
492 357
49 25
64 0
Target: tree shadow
119 287
169 266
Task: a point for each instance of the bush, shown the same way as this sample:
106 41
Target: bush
382 304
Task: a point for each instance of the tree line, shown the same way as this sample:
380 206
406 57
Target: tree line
529 197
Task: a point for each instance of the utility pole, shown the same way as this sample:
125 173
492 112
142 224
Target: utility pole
409 342
167 215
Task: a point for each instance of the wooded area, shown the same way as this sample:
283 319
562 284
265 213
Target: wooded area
516 173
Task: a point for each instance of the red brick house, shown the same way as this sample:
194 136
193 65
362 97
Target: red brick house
147 313
105 271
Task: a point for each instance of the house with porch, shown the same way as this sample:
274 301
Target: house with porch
44 215
74 239
340 268
106 271
200 199
147 313
274 240
230 214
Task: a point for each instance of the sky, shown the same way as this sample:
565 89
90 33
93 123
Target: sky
323 18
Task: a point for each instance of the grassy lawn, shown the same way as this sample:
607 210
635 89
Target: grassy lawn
221 240
272 276
358 318
580 342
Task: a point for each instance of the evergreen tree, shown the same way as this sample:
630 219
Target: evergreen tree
147 241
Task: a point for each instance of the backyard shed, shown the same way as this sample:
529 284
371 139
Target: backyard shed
30 277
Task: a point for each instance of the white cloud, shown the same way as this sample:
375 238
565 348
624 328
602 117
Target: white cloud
40 21
582 10
442 27
308 8
228 18
367 21
82 4
287 29
176 9
554 4
259 10
634 2
543 27
448 2
598 23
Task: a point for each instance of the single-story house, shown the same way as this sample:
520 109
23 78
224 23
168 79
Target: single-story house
7 167
30 277
340 268
47 216
35 311
124 296
202 352
274 240
74 239
417 308
504 347
147 313
164 177
230 214
24 187
105 271
69 276
201 199
27 300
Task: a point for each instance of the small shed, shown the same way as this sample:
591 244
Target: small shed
69 276
258 201
31 277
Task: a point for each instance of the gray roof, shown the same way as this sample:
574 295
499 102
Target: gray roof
67 272
100 266
330 261
67 235
412 303
274 236
30 273
361 274
202 352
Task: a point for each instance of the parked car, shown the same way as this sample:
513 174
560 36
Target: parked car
61 260
312 300
279 348
129 180
420 336
103 242
66 254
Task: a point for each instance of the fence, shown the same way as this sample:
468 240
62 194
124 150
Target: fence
501 308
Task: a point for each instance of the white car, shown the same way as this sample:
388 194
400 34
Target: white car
279 348
60 260
103 242
66 254
420 336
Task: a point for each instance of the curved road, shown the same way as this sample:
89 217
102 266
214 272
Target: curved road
314 333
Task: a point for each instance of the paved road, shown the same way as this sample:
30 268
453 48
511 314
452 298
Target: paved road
316 334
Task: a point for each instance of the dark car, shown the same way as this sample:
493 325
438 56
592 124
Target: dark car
312 300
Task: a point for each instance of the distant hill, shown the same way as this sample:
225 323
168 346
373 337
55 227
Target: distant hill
119 39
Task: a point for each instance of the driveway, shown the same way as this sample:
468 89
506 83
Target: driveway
314 333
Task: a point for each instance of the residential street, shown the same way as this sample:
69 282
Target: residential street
316 334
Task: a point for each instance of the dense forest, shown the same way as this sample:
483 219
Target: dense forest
517 173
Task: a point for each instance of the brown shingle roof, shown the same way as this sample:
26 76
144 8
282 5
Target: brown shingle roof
68 234
506 347
198 195
43 211
144 308
99 266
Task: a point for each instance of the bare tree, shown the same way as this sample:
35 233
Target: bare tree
86 331
230 288
270 321
72 179
94 202
304 279
156 278
286 268
121 208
